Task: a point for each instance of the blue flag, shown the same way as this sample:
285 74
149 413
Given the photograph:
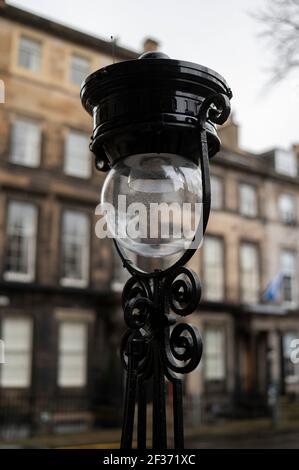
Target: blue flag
272 290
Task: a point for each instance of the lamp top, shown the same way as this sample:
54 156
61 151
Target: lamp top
157 66
133 102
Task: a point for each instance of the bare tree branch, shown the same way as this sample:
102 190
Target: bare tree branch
280 23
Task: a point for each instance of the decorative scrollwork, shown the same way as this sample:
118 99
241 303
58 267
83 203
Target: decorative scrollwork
216 108
183 291
134 288
136 303
146 314
136 312
138 344
183 349
155 346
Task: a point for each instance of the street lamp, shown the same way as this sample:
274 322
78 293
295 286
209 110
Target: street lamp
154 132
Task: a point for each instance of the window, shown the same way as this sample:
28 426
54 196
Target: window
120 274
26 142
213 268
287 209
30 54
75 249
248 200
216 192
214 354
77 158
291 370
80 69
250 280
288 267
17 336
72 354
286 162
21 242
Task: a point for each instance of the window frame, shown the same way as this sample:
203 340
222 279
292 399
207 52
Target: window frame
287 364
66 167
117 281
294 301
73 56
38 125
30 38
221 190
85 352
256 246
70 282
30 276
290 170
253 187
221 354
29 350
285 220
221 240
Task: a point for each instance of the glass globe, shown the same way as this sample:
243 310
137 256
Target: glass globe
152 203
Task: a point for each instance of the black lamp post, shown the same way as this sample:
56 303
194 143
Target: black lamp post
154 128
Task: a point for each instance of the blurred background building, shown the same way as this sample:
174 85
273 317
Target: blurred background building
60 314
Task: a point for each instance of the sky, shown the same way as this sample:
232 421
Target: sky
220 34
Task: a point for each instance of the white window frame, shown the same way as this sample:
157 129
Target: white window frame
287 208
216 192
79 64
68 351
73 153
286 162
84 280
215 354
292 378
30 274
248 200
249 275
291 273
120 274
29 143
33 47
214 269
23 352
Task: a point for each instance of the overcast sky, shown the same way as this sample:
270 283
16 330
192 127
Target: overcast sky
217 33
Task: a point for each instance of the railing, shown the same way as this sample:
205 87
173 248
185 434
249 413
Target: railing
25 415
22 415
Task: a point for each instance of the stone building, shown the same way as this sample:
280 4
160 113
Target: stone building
249 268
58 306
60 286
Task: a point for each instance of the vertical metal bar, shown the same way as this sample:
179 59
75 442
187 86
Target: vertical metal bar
159 404
178 419
130 398
206 183
141 429
159 430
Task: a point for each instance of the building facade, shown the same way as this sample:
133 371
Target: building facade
60 316
58 311
249 268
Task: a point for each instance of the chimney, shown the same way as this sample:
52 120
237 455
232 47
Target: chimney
296 149
149 45
229 134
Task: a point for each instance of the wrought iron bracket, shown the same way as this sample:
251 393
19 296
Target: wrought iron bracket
158 105
159 346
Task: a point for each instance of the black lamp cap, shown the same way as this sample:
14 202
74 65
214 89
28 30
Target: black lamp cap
151 105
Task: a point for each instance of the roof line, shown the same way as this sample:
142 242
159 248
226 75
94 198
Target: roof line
65 32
